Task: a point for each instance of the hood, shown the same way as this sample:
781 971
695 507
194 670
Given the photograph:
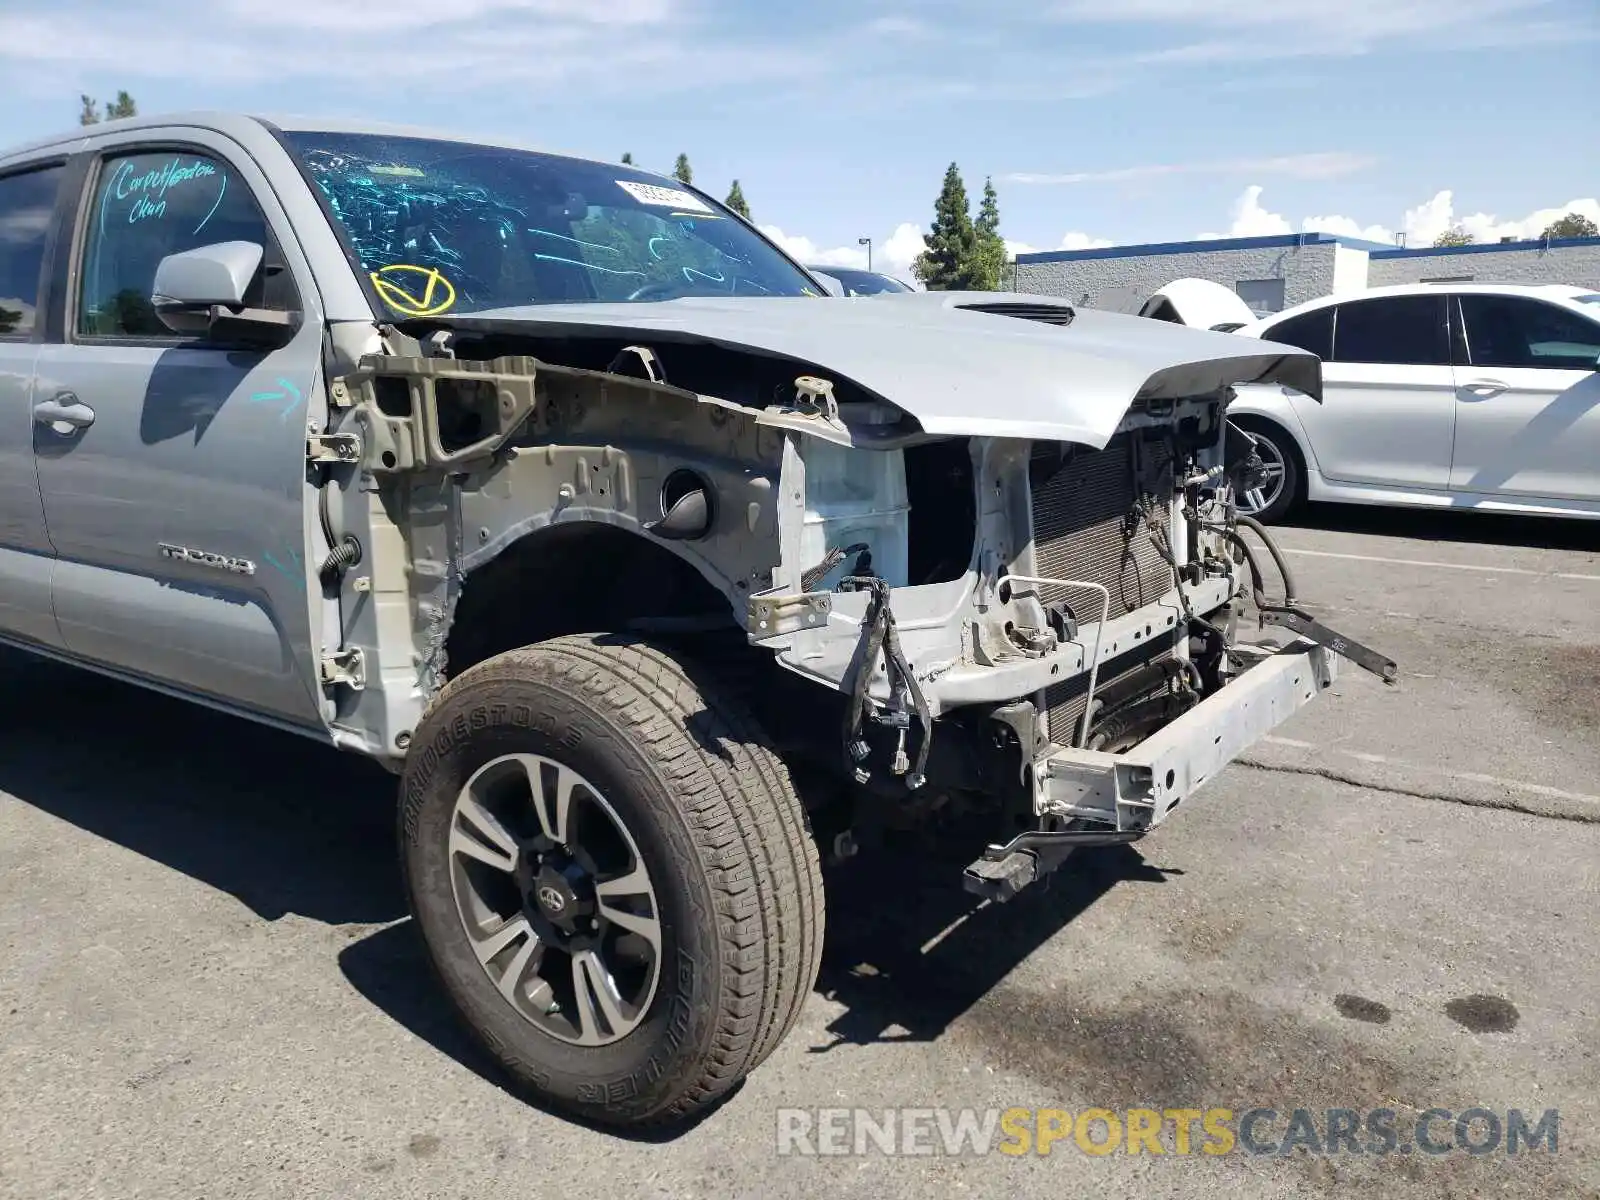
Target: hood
1029 368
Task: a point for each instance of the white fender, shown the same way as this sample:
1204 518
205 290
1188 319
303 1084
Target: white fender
1199 303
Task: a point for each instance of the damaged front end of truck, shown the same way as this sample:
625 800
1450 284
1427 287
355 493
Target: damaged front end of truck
969 555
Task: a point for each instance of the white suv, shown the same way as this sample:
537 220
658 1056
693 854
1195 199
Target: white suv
1462 395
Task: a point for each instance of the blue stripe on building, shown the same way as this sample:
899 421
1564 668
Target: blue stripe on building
1287 240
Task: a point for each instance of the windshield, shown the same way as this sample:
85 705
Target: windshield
453 227
863 283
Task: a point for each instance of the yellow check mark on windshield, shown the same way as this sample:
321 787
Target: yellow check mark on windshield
414 291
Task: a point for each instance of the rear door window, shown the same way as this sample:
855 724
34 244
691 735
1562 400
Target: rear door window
1312 331
27 200
1518 331
1412 330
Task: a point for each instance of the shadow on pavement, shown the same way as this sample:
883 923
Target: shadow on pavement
281 823
287 826
907 949
1446 525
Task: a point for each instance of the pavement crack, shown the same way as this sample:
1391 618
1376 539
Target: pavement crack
1352 779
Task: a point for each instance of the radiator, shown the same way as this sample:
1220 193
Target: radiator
1086 525
1065 701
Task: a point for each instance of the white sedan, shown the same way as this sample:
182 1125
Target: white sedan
1449 395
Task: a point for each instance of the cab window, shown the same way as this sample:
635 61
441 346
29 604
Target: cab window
26 201
152 204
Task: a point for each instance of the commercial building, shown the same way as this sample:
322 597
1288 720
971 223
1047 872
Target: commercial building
1273 273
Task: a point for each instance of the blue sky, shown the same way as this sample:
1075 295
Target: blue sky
1100 121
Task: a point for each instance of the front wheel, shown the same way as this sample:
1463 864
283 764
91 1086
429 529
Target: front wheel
612 876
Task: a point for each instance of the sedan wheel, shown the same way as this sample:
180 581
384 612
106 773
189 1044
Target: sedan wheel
1279 492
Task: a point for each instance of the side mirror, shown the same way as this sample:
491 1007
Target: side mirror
830 285
202 291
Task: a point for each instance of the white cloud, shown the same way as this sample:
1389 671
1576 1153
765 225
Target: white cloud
367 15
893 254
807 251
1246 29
1347 227
1428 220
901 248
1070 241
543 46
899 26
1329 164
1421 224
1250 219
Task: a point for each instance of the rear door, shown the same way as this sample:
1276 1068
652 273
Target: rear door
28 197
1389 409
174 488
1528 399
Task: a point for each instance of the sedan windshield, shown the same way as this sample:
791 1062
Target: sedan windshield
453 227
863 283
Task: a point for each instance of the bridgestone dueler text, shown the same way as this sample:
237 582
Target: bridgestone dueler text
718 824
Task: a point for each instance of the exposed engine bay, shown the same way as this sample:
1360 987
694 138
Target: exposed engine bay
987 624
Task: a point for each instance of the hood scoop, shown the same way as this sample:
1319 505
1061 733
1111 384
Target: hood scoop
1050 314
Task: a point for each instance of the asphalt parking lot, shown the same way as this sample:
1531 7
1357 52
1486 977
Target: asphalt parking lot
207 985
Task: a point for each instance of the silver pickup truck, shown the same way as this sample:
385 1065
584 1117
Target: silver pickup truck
657 575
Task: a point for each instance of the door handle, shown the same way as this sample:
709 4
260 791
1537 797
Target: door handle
64 413
1484 389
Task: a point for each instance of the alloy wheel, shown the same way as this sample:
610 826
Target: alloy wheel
1259 499
556 899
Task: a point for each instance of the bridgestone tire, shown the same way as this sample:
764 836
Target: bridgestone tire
718 825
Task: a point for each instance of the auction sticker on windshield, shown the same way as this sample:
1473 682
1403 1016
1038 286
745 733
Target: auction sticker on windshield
664 197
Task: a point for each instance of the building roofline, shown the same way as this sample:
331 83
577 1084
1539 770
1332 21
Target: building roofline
1486 248
1203 244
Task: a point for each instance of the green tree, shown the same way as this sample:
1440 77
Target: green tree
89 110
736 200
950 261
1454 236
1573 225
627 157
681 169
991 255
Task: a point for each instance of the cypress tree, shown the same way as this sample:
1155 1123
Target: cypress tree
948 264
991 255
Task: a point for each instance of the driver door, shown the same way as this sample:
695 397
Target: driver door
172 468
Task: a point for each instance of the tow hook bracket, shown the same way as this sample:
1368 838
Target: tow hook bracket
1308 626
770 614
1000 872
